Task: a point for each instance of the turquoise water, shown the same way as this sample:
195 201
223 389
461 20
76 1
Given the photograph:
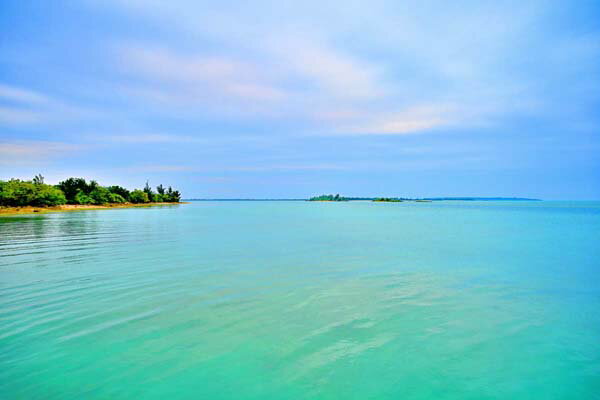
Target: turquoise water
298 300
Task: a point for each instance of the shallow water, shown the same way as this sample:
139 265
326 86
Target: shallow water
298 300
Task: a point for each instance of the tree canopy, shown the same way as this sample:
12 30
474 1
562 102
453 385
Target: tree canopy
18 193
328 197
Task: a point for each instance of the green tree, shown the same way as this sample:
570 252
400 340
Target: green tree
121 191
328 197
172 196
82 198
72 186
175 197
38 179
149 192
100 195
47 195
139 196
93 185
17 193
116 198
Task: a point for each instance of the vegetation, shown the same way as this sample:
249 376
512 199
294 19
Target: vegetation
138 196
18 193
328 197
388 200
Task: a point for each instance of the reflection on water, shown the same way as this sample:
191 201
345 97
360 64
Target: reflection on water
299 300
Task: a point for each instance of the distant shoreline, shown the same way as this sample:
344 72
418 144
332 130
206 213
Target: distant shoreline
399 198
8 211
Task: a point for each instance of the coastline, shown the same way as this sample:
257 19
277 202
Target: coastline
9 211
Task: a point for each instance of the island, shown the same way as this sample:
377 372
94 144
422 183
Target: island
337 197
21 196
328 197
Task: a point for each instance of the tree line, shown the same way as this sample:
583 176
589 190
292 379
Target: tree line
16 192
328 197
388 199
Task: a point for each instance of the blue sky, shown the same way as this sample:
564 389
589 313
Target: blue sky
291 99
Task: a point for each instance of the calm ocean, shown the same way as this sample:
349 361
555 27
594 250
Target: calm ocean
300 300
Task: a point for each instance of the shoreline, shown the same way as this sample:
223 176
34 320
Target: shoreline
9 211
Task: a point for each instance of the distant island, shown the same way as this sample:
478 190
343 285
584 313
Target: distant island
428 199
77 193
397 200
337 197
328 197
387 200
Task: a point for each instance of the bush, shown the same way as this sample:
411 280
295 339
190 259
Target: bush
116 198
172 196
17 193
139 196
121 191
100 195
47 195
72 186
82 198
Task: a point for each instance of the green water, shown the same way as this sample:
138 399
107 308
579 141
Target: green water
298 300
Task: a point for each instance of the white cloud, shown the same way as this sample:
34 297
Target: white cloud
412 120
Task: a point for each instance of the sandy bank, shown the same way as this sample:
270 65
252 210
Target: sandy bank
76 207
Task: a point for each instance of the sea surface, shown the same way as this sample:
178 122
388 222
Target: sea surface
302 300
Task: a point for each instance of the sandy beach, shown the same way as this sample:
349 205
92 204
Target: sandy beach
4 211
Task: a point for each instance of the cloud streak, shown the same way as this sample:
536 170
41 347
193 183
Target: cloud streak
416 119
194 77
20 95
34 152
29 107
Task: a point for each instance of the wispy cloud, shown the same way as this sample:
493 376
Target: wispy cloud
158 168
29 107
18 116
147 138
415 119
20 95
330 70
196 77
34 152
150 168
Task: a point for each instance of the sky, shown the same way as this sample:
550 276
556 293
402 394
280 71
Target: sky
280 99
